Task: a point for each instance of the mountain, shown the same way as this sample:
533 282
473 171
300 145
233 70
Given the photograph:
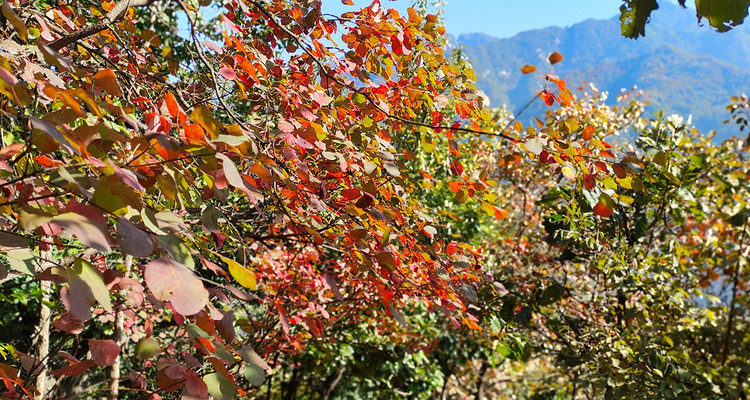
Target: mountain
682 68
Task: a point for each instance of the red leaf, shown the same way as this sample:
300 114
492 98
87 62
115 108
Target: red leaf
549 98
350 194
365 201
73 369
195 385
619 171
602 210
103 352
69 323
589 181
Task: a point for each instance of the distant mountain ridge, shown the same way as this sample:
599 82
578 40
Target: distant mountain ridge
682 68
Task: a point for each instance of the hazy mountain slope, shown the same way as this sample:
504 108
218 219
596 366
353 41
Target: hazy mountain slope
682 68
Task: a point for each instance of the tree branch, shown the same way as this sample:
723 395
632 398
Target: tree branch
117 12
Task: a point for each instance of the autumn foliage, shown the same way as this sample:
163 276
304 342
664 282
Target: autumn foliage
193 204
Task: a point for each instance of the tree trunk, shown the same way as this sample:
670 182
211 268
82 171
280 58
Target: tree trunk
331 382
119 338
480 380
444 390
42 337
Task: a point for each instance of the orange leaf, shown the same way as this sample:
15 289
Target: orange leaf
108 81
195 134
47 162
527 69
555 58
588 132
501 214
172 105
262 172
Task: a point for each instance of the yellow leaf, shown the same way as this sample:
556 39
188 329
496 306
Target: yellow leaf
15 20
202 115
243 275
568 170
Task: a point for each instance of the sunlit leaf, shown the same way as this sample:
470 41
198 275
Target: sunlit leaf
169 281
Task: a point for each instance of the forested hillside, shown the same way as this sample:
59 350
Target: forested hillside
681 68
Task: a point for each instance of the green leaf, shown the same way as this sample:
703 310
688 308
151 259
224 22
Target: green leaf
21 260
551 294
177 250
255 367
219 386
85 284
147 348
722 15
634 15
739 218
115 196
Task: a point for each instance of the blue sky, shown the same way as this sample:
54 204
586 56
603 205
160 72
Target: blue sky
503 18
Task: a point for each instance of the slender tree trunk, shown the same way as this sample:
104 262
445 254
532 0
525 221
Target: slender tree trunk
290 388
444 390
332 381
119 338
42 333
480 380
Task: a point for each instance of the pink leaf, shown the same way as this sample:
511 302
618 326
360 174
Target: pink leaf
8 77
213 47
132 240
104 352
11 150
133 291
228 73
177 284
79 305
86 230
195 385
321 98
285 126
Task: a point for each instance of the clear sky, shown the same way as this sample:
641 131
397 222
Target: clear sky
503 18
